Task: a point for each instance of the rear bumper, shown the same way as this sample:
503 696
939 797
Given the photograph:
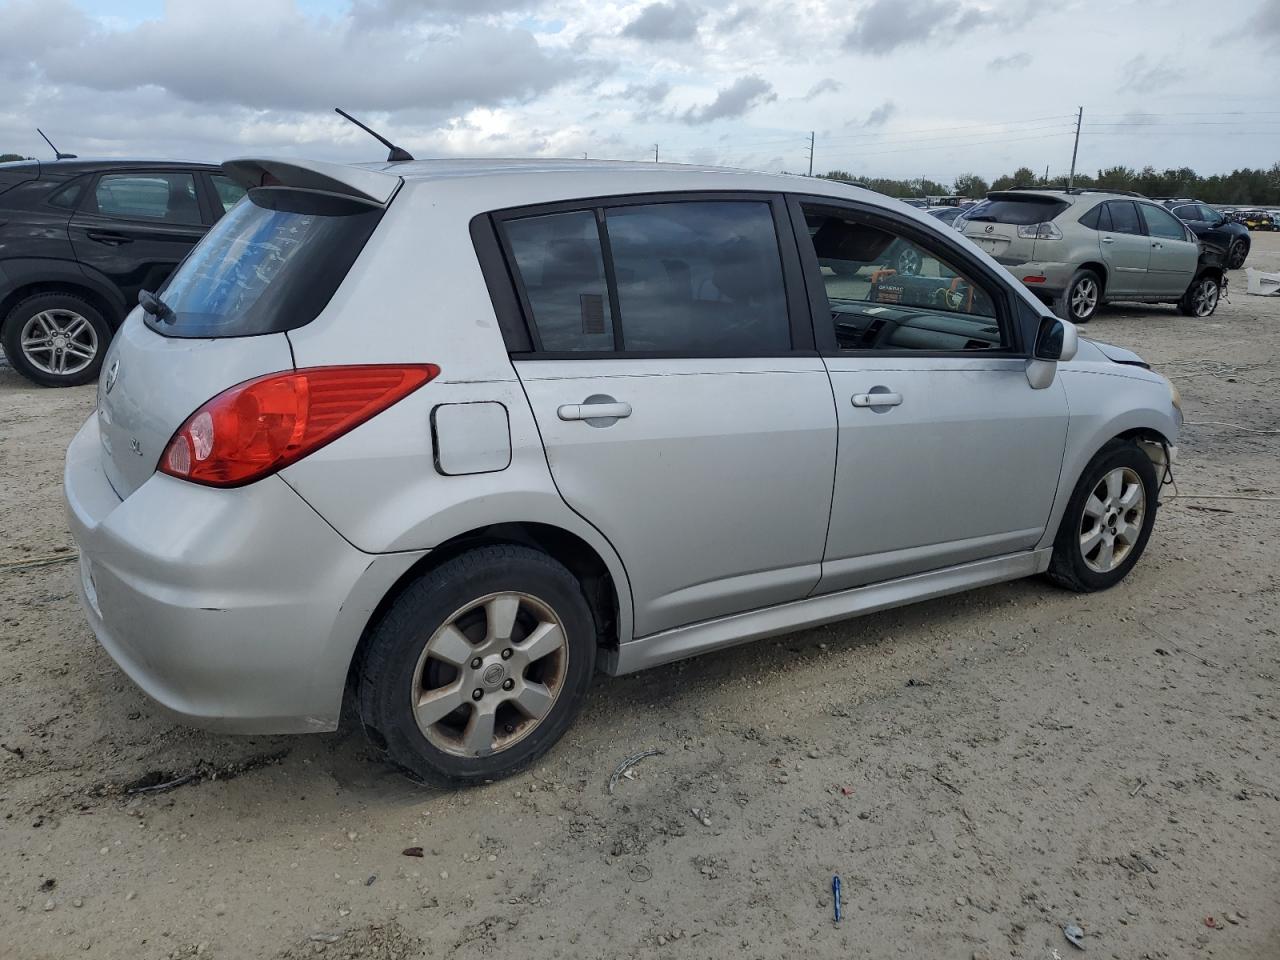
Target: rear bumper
233 609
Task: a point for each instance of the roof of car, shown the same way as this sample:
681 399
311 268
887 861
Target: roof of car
91 164
1073 196
566 178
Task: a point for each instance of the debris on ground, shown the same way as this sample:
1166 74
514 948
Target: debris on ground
162 781
1074 935
412 852
627 764
701 816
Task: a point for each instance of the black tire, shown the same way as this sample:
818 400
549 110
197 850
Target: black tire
1081 282
1237 254
1201 298
1069 567
388 674
62 305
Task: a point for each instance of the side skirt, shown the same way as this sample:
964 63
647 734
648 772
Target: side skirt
681 642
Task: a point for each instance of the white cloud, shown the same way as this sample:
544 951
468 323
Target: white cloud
740 82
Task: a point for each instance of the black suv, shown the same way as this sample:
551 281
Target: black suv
1213 228
79 239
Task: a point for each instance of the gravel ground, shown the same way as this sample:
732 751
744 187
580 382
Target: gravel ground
980 769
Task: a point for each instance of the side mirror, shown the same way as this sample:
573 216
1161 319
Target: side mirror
1055 340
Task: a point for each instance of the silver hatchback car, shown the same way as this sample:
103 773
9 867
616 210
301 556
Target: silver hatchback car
439 439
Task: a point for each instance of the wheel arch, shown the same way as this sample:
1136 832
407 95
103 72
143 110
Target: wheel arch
1098 268
31 283
608 600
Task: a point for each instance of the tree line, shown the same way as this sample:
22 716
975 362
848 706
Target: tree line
1246 187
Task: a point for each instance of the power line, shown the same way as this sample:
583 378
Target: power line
948 146
1062 118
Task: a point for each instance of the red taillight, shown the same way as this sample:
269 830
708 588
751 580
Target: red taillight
263 425
1033 279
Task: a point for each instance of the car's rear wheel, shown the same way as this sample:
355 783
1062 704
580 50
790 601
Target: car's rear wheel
1237 255
1108 520
56 339
1082 298
1201 298
479 666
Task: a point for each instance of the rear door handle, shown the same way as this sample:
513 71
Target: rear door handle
1108 239
612 410
110 239
877 399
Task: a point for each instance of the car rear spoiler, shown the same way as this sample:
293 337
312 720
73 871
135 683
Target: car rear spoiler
370 185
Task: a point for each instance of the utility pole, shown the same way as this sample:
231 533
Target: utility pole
1046 174
811 153
1071 179
655 153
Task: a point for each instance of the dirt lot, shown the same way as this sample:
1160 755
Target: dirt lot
980 770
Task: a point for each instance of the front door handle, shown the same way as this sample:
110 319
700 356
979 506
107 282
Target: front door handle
877 399
594 409
1108 239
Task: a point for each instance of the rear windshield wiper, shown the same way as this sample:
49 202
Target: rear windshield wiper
156 307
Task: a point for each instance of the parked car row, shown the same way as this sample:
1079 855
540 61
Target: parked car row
592 428
80 239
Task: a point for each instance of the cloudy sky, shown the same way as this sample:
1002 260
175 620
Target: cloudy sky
902 88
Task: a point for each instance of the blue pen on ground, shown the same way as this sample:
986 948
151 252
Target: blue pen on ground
835 894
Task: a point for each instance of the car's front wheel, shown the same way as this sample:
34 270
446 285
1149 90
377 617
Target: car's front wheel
56 339
1201 298
479 666
1108 519
1082 298
1237 255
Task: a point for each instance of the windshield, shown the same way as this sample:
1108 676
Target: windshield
271 264
1019 211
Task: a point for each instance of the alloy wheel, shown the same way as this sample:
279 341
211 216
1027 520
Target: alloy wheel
1237 256
1084 298
1205 299
1112 521
59 341
490 674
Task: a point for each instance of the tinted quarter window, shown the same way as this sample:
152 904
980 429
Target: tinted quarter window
562 271
699 277
887 292
67 197
271 264
229 192
1020 211
1161 223
169 197
1124 218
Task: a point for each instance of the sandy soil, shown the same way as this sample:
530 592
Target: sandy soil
980 770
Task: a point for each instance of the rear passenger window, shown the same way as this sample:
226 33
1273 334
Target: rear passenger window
1189 212
562 269
1124 218
679 277
170 197
699 277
